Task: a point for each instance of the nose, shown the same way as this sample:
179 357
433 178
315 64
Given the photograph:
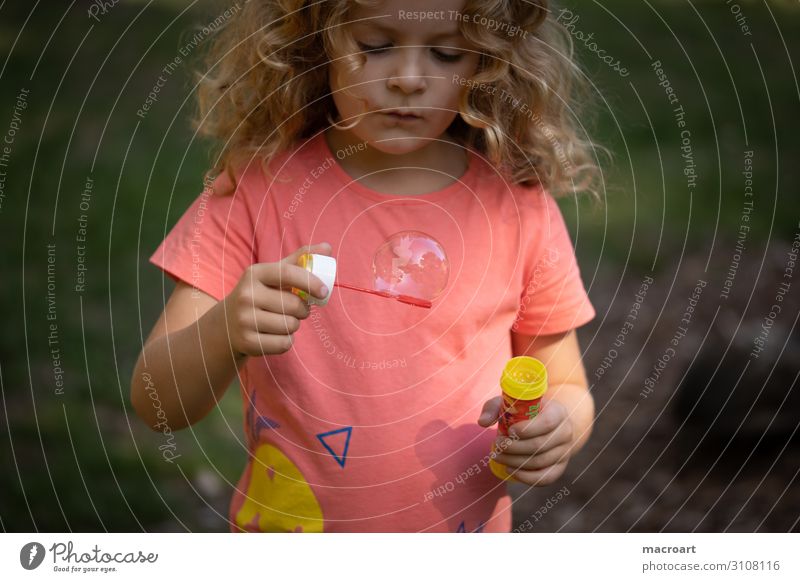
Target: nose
409 74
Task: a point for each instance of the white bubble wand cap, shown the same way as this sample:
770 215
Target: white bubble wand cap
321 266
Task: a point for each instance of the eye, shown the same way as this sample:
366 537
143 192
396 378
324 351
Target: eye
374 49
446 57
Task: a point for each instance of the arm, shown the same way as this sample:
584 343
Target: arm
189 363
198 343
561 355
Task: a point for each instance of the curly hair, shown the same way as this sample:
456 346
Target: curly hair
265 87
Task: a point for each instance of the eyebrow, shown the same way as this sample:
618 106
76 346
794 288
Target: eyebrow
446 34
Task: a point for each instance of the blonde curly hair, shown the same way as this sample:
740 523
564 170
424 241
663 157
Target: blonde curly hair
264 87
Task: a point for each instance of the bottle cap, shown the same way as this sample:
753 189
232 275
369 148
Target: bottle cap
524 378
321 266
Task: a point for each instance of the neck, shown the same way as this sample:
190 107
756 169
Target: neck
443 155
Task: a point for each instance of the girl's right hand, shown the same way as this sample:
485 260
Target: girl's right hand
262 313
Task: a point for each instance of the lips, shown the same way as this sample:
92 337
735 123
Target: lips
404 114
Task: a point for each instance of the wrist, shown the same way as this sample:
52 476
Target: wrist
216 319
578 405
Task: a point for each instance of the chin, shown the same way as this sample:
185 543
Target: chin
399 144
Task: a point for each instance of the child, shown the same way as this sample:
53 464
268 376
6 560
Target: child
422 145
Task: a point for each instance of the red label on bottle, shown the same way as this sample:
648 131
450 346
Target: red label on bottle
514 411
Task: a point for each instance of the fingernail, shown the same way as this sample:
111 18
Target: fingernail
323 292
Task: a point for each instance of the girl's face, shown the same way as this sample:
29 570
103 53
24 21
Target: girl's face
416 64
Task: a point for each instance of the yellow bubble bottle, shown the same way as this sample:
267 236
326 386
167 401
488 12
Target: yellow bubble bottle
523 383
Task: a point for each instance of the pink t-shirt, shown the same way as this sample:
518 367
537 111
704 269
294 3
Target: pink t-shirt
369 421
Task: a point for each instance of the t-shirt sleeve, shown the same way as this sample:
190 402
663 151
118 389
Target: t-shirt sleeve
212 244
553 298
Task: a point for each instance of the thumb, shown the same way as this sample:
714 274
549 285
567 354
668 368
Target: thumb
490 412
317 249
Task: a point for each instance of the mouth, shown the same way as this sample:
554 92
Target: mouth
402 115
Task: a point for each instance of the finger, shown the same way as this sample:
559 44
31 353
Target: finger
539 477
490 412
534 462
275 323
553 413
267 343
323 249
530 446
285 275
262 297
284 302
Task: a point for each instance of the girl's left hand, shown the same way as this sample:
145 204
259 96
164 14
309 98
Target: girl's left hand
538 455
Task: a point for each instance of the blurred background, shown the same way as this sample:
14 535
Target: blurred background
691 263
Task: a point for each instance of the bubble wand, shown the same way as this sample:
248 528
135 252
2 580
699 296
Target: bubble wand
324 267
401 298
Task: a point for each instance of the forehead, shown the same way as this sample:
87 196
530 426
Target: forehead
411 17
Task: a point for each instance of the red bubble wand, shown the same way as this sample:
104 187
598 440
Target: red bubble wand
415 301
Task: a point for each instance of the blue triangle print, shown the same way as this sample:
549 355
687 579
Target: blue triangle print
463 529
339 459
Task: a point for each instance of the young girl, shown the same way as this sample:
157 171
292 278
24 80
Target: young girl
422 144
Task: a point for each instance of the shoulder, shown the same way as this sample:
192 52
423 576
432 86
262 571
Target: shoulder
533 197
250 180
237 182
531 205
281 172
536 213
490 179
537 204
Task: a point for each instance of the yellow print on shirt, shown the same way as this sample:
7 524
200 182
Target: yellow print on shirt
279 499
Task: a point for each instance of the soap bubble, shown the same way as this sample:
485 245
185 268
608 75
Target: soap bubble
411 263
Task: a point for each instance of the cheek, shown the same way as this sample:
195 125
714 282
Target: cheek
350 92
451 91
448 96
345 104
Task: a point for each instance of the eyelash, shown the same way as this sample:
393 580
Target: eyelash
444 57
